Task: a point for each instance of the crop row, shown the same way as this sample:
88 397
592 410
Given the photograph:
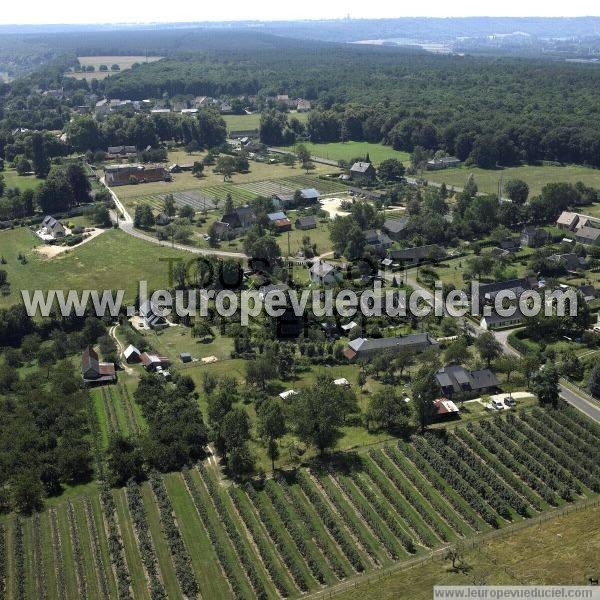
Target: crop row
550 471
278 539
575 416
59 571
109 409
226 563
127 402
77 553
349 517
501 467
179 553
144 540
290 523
19 559
304 517
440 484
404 499
96 551
264 548
452 472
246 559
486 473
330 522
580 463
2 562
440 507
38 564
115 543
583 439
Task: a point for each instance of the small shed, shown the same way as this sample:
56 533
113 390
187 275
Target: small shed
131 354
185 357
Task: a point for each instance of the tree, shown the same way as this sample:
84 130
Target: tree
198 169
594 381
488 346
507 364
389 410
271 426
229 206
41 163
424 392
143 217
318 413
303 154
56 193
457 352
169 205
235 428
455 554
391 170
79 182
23 166
84 134
545 384
27 493
125 460
226 166
517 190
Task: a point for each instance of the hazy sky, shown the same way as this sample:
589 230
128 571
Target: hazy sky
122 11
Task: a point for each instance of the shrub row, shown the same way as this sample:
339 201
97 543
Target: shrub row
278 539
348 517
264 548
559 454
371 517
425 490
179 553
499 466
513 460
144 539
486 473
438 482
96 550
453 476
246 559
582 431
126 401
576 417
301 511
510 453
411 497
560 480
19 559
331 522
2 562
38 564
77 553
584 457
115 543
226 563
387 515
61 585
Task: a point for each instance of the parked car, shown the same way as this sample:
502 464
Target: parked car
510 401
497 405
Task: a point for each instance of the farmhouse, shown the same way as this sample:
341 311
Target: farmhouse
152 315
95 372
588 235
303 105
305 223
416 255
279 221
489 291
240 219
496 321
567 220
395 228
362 171
323 273
153 362
131 354
117 151
533 237
377 239
125 174
435 164
51 229
310 195
455 379
570 261
364 349
589 292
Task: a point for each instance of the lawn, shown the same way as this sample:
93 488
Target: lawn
22 182
247 122
124 62
349 150
114 260
562 550
535 176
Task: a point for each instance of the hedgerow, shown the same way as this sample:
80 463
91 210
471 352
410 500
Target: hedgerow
2 562
96 550
57 554
77 555
19 559
38 564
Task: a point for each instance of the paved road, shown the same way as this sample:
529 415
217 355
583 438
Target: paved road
585 406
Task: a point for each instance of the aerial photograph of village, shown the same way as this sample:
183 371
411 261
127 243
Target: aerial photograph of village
299 306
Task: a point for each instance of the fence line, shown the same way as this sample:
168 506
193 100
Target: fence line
470 543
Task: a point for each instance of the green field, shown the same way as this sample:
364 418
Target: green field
317 527
535 176
247 122
113 260
349 150
22 182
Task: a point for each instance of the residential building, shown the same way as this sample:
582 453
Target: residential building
240 219
364 349
303 105
455 379
395 228
567 220
131 354
570 261
496 321
362 171
324 273
511 244
153 362
95 372
588 235
279 221
310 195
125 174
416 255
533 237
305 223
152 315
121 151
377 239
435 164
51 229
589 292
489 291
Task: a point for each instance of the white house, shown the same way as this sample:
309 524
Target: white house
323 273
51 229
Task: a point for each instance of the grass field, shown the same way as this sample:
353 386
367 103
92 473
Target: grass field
535 176
124 62
22 182
349 150
110 261
319 526
247 122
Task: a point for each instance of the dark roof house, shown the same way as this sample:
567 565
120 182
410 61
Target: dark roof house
95 372
455 379
416 254
309 222
362 170
363 349
395 227
241 218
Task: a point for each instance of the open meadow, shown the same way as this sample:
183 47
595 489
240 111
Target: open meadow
22 182
248 122
349 150
124 62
